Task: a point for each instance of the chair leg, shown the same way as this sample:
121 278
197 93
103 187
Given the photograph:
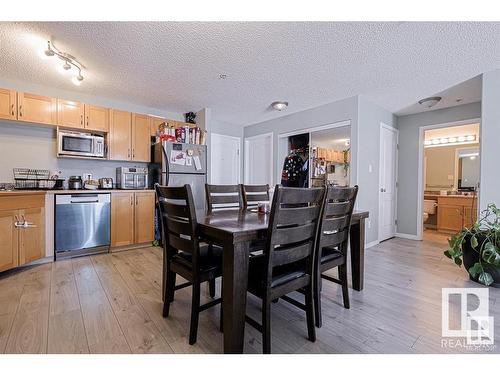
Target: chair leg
345 290
221 317
195 312
311 331
317 300
211 288
266 326
169 292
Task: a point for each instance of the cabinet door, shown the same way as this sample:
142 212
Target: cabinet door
450 218
32 238
121 135
36 108
141 138
96 118
9 240
70 114
8 104
155 123
122 219
470 216
144 217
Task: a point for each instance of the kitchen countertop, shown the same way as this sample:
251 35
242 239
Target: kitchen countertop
67 191
449 196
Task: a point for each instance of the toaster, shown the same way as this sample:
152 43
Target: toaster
106 183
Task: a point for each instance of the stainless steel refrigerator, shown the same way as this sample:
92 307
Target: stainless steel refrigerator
177 164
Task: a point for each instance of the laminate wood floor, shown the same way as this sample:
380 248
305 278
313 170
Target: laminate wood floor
111 303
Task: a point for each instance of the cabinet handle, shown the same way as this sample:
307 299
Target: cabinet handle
81 119
12 108
131 201
128 153
133 153
136 200
21 110
87 121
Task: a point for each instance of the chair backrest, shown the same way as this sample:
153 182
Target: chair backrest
223 197
336 217
178 220
293 226
253 194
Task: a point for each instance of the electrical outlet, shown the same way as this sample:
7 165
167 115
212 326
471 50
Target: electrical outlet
369 223
370 168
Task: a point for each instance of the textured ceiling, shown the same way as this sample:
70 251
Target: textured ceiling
176 66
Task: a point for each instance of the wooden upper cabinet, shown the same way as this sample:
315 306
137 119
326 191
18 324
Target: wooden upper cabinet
9 242
71 114
8 105
144 216
120 138
96 118
36 108
122 219
141 138
32 238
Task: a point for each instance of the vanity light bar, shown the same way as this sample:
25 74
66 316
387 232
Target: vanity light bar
449 140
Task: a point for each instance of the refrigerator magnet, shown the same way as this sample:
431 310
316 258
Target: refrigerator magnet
197 163
189 161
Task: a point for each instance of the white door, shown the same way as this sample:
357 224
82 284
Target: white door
259 159
387 186
225 159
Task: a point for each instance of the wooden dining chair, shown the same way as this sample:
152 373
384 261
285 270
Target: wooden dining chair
223 197
333 240
253 194
183 253
287 264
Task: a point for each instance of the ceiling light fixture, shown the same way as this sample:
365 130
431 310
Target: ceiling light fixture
279 106
430 102
69 61
445 141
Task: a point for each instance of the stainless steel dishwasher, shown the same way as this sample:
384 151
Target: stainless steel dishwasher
82 224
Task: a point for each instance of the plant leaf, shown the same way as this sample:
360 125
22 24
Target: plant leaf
473 242
476 269
458 261
448 253
491 254
485 278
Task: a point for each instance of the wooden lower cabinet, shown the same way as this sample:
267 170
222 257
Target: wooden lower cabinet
455 213
122 219
144 217
10 238
19 244
132 218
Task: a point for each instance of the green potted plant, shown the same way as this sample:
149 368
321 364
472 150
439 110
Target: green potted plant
478 248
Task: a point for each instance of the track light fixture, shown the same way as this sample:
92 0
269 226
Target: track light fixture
69 62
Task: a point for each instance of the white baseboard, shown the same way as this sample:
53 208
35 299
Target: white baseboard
371 244
408 236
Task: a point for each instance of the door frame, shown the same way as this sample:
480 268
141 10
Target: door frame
246 156
395 182
420 184
333 125
239 153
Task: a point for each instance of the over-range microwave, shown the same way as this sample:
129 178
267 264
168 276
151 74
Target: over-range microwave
71 143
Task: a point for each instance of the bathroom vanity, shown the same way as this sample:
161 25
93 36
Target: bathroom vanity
455 212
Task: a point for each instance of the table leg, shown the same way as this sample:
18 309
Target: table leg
357 239
235 275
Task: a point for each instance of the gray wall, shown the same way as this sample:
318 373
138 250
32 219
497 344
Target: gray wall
370 116
346 109
490 140
365 119
409 132
34 146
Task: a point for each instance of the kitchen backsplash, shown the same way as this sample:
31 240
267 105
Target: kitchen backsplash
35 147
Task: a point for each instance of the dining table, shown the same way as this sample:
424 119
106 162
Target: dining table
235 231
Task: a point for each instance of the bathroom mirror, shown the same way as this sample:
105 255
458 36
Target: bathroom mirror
467 168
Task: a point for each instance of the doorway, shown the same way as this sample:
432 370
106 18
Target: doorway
225 159
449 175
387 182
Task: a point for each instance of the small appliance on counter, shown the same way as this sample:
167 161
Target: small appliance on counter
75 183
106 183
131 178
91 185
